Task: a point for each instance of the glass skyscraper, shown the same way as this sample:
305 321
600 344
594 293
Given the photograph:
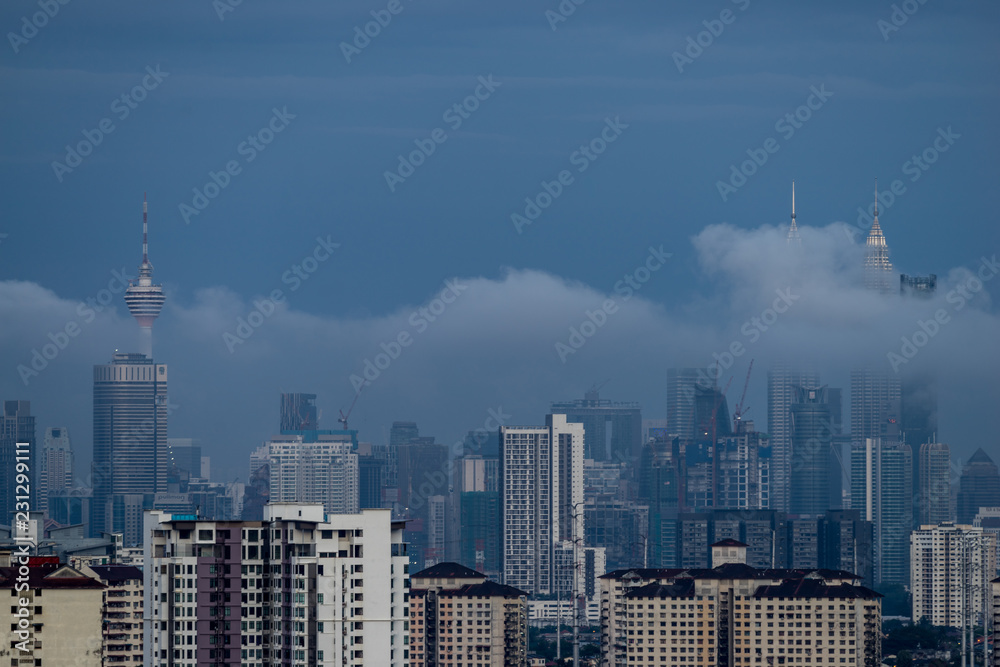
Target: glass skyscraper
612 430
130 442
881 483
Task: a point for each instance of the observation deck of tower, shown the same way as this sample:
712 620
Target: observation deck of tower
144 299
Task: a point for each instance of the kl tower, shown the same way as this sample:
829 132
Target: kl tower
144 299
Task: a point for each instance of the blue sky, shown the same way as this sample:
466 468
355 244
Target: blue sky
891 93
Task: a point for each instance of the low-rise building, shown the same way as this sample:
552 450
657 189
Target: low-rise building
458 617
734 614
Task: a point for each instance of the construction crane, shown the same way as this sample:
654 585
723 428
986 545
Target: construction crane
741 408
592 393
343 418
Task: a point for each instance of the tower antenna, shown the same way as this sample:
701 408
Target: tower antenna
143 298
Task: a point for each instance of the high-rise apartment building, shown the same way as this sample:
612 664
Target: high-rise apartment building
743 471
458 617
881 483
934 488
298 412
952 568
312 467
298 588
130 442
612 430
782 379
56 465
995 595
122 612
978 487
17 425
541 468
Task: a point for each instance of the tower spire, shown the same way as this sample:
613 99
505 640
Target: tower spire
145 232
144 299
878 268
876 201
793 229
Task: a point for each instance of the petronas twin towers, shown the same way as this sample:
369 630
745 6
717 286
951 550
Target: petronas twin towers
878 268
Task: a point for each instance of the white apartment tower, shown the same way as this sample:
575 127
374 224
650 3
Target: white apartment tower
300 588
952 566
542 500
324 471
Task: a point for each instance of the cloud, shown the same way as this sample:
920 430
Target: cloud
476 343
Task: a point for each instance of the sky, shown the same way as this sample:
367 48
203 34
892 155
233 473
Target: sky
504 167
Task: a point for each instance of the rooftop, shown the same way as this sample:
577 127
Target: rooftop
448 571
117 573
49 576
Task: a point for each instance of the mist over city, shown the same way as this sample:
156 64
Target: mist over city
721 275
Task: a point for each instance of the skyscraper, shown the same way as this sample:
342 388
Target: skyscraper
979 486
612 431
934 487
56 469
878 268
660 489
542 499
881 480
681 385
16 425
144 299
922 286
815 468
477 487
298 412
184 454
130 442
918 407
782 378
875 405
423 472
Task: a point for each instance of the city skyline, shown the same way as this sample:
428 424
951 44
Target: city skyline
732 364
312 216
484 318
